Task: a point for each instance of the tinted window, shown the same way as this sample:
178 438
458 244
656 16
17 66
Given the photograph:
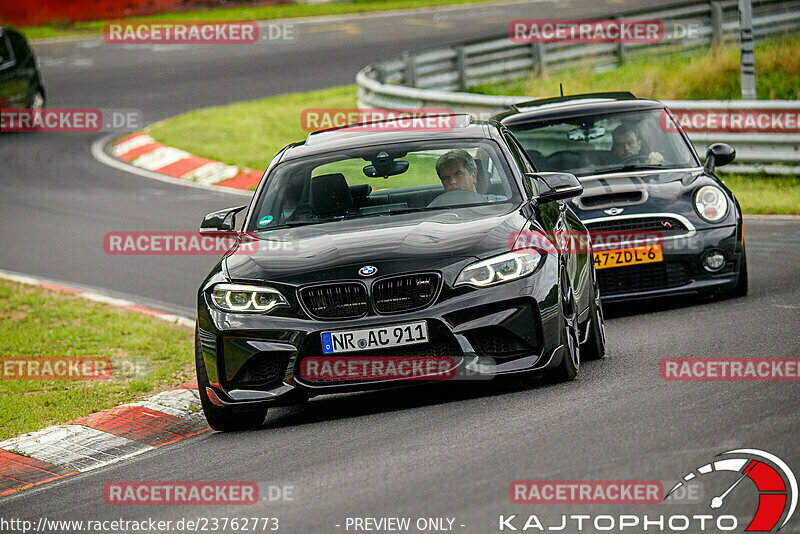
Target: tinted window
20 46
383 180
608 142
5 53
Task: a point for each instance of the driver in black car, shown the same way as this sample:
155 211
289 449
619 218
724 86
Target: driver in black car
458 172
627 146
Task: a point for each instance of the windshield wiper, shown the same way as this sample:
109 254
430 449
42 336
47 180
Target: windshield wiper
628 168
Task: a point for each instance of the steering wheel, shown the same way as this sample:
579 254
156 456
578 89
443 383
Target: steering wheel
636 158
455 198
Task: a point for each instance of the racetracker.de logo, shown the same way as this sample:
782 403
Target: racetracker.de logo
377 368
181 493
69 120
731 120
429 119
730 369
586 31
183 243
197 32
56 368
585 491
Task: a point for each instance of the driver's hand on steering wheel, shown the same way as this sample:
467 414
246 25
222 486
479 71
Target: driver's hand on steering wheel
655 158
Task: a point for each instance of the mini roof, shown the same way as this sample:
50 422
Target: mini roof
616 95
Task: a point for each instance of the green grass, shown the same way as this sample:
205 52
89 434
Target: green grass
286 11
41 323
699 74
762 194
249 133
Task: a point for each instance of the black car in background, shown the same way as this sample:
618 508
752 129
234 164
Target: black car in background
21 83
662 223
378 243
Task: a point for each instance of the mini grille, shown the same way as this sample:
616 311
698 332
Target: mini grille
642 278
335 301
667 226
404 293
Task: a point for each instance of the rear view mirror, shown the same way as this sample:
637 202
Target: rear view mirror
556 185
222 220
386 170
586 134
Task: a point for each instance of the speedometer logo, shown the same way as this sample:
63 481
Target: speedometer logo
775 482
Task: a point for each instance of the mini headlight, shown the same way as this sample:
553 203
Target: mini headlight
246 299
503 268
711 203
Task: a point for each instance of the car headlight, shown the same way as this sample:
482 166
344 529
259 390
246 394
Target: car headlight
247 299
503 268
711 203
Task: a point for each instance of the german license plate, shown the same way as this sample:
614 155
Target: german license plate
380 337
628 256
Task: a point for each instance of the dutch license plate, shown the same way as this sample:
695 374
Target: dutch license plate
628 256
380 337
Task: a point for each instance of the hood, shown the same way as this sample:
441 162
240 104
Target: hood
633 193
393 243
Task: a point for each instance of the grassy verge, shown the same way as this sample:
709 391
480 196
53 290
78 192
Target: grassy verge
249 133
699 74
285 11
766 195
40 323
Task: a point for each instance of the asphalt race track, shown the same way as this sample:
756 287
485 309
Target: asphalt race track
444 451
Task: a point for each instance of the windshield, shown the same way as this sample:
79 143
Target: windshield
384 180
604 143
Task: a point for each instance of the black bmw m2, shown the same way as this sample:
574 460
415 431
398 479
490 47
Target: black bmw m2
372 255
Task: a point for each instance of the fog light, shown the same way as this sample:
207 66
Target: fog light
714 260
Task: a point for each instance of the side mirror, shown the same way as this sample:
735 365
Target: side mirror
222 220
719 154
555 185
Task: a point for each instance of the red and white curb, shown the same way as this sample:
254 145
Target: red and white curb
104 437
144 152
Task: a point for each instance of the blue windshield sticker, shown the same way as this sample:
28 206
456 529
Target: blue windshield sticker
265 220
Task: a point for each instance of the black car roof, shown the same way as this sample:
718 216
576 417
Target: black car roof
574 106
350 136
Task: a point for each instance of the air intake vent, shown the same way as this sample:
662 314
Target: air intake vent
642 278
335 301
404 293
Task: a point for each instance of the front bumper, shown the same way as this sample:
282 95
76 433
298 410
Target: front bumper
681 272
509 328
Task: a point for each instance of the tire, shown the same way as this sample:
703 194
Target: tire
742 285
37 101
595 346
223 418
571 360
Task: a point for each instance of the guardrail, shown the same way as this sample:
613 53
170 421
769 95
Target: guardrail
437 77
